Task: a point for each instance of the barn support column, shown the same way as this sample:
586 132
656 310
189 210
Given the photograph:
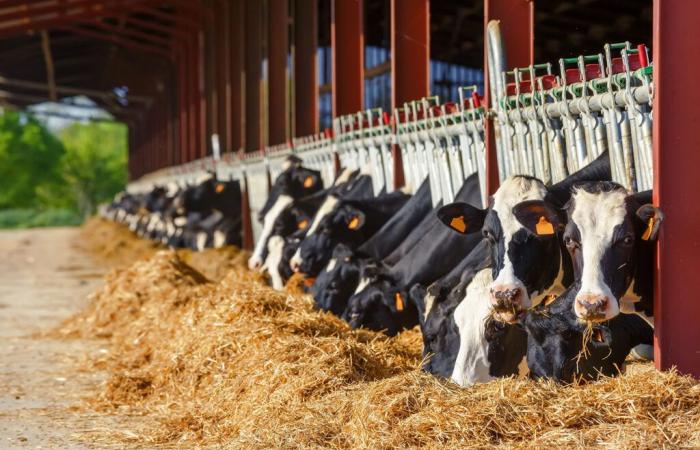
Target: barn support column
253 75
305 81
676 184
410 63
237 96
223 62
348 58
278 48
518 34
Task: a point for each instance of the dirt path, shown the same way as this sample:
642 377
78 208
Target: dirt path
43 279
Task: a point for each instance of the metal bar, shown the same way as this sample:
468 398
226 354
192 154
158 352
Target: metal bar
676 184
278 46
305 76
517 25
222 63
348 61
236 79
410 62
253 76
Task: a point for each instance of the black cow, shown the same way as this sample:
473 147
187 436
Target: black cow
555 341
380 300
349 222
338 279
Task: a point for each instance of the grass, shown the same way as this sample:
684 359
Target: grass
32 218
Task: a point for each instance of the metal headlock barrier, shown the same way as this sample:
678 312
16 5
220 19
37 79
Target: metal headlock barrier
547 125
550 126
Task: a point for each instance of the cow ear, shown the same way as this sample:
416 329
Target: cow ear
462 217
538 217
652 217
355 220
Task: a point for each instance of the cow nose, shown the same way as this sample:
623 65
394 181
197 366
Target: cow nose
254 263
591 306
294 265
505 296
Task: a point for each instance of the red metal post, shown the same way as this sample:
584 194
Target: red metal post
247 224
305 76
236 78
201 94
518 33
410 62
676 184
222 63
253 75
277 51
348 59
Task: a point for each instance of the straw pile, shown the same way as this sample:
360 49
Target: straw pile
235 364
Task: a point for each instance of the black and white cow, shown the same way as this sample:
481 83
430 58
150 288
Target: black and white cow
294 182
343 221
380 300
339 278
555 341
610 236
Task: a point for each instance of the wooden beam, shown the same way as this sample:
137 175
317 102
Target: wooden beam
48 61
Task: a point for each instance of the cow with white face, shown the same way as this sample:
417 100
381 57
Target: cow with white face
293 183
610 236
526 264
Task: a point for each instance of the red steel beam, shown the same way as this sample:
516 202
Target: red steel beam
410 62
518 34
119 41
202 97
222 64
676 184
305 76
348 61
253 76
278 49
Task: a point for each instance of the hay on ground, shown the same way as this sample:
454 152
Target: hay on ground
236 364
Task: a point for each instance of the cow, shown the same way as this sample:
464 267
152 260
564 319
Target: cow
380 300
346 221
294 182
610 237
556 335
338 279
528 262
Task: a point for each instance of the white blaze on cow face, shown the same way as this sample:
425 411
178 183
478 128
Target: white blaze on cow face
326 208
331 265
513 191
364 282
275 247
201 241
597 215
219 239
472 363
255 261
343 177
180 221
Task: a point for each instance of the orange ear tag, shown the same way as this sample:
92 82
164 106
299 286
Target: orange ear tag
458 224
302 224
399 302
220 188
650 228
309 181
354 223
544 227
308 282
549 299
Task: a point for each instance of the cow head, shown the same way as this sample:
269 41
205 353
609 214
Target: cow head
337 281
335 222
607 226
379 305
293 183
525 262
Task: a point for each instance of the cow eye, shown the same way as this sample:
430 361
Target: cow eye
488 235
628 241
570 243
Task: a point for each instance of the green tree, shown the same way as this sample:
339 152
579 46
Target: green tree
93 166
29 160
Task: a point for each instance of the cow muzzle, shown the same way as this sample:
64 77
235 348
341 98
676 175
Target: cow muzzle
295 264
591 307
507 302
254 263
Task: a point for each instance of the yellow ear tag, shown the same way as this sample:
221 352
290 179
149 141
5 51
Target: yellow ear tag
650 228
458 224
399 302
354 223
309 181
220 187
544 227
302 224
